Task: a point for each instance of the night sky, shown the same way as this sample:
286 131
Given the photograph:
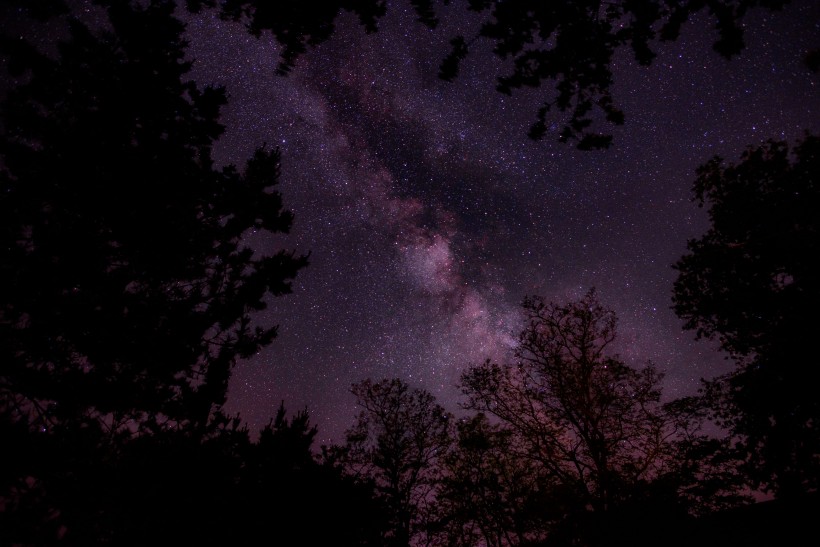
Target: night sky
429 214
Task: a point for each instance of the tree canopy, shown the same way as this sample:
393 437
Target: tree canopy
595 423
127 290
751 282
571 43
397 441
595 427
489 494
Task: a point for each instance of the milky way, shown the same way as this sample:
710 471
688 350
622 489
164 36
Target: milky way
429 214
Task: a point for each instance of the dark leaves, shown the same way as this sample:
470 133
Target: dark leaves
126 282
750 283
571 43
450 65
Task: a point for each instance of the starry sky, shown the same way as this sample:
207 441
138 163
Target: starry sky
429 215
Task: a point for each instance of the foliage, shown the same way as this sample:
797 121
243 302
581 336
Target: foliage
397 442
592 421
295 25
283 492
489 494
572 43
173 487
751 282
593 426
127 292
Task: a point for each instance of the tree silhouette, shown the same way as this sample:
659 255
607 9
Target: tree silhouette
397 442
284 492
752 283
126 291
589 418
592 424
571 43
296 26
489 495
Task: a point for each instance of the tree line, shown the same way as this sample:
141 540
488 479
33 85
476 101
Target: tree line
128 295
567 445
